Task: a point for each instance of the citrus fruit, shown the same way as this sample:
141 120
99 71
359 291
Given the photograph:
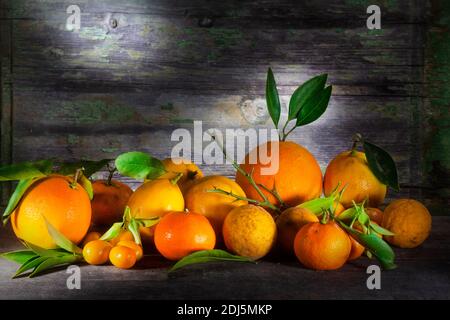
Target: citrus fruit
65 205
132 245
91 236
214 206
338 208
154 198
109 201
180 233
350 169
124 235
322 246
96 252
297 180
122 257
409 220
190 172
289 223
249 231
375 214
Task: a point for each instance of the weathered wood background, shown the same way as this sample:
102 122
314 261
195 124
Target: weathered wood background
111 88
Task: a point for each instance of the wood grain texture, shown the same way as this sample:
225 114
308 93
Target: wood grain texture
422 273
101 91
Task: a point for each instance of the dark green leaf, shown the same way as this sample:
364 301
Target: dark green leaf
14 200
90 167
24 170
54 262
139 165
302 94
272 99
30 264
87 185
112 232
44 252
314 107
377 246
208 256
20 256
375 227
60 240
382 165
45 166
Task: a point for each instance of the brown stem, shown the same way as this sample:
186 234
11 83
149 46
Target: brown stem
357 138
266 203
77 176
111 174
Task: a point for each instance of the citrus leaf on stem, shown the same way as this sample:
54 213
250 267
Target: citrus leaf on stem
139 165
272 99
309 89
147 223
54 262
375 227
133 227
348 214
205 256
89 167
314 107
87 185
20 256
60 240
30 264
44 252
317 206
377 246
25 170
15 198
112 232
382 165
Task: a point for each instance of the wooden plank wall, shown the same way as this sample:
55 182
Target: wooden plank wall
101 91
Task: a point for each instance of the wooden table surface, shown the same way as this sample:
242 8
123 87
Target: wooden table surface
422 273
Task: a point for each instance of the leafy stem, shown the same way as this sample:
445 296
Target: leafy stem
265 203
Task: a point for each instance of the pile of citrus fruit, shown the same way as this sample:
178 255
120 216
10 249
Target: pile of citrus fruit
322 220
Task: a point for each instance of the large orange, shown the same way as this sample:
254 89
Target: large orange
350 169
322 246
214 206
181 233
297 180
190 171
110 199
66 206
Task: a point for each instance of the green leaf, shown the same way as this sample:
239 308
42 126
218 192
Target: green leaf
377 246
302 94
380 230
14 200
20 256
60 240
382 165
112 232
87 185
133 227
363 218
90 167
30 264
54 262
44 252
205 256
314 107
25 170
147 223
348 214
272 99
139 165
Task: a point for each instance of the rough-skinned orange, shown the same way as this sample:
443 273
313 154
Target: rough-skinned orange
191 172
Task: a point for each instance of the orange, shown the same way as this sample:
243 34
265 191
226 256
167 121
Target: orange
91 236
249 231
96 252
297 180
357 249
132 245
350 169
124 235
289 223
109 201
122 257
65 206
180 233
338 208
154 198
322 246
190 172
214 206
375 214
409 220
